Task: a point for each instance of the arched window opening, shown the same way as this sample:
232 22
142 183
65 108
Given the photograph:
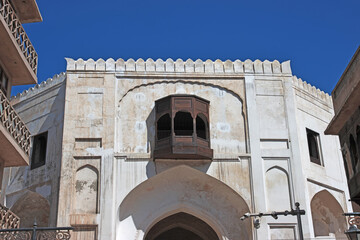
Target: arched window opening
201 127
313 144
353 152
164 127
183 124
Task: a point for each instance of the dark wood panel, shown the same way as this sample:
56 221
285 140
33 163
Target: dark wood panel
183 103
182 146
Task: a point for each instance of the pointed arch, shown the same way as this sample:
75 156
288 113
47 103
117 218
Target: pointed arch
327 215
30 207
181 226
184 189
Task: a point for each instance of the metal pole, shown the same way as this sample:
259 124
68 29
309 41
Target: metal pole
301 236
34 231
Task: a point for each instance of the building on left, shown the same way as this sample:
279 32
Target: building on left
18 66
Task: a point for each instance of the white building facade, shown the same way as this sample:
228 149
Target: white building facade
114 168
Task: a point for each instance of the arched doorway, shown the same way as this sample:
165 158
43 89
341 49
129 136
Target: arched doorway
181 226
183 195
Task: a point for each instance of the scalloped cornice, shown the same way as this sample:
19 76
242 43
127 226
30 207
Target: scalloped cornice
299 83
179 66
57 78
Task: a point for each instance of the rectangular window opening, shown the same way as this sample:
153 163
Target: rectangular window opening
38 155
313 140
4 81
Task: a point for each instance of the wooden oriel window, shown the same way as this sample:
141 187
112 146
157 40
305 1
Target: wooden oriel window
182 128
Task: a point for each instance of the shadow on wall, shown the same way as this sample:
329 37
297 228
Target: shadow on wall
327 215
184 189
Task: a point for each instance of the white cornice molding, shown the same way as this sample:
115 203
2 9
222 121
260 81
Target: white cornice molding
179 66
38 88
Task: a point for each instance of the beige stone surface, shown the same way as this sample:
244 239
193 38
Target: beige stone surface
111 187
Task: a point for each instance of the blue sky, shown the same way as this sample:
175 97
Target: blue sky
318 36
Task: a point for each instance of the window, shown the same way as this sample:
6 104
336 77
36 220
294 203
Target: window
39 150
182 128
358 138
313 139
4 81
183 124
164 127
353 153
201 126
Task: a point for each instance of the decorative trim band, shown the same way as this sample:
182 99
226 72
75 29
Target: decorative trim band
179 66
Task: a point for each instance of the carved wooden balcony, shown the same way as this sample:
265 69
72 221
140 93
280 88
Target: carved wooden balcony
182 128
8 219
17 54
14 136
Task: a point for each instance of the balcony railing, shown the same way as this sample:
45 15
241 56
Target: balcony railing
18 32
13 124
8 219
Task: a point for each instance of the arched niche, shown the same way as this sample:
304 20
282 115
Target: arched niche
86 190
183 189
327 215
277 189
30 207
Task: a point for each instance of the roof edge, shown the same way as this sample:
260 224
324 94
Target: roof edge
180 66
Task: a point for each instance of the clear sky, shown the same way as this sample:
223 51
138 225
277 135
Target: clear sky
318 36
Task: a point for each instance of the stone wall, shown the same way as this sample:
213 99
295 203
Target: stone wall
113 188
31 192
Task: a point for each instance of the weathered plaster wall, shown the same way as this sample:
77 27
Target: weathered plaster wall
314 112
253 128
136 112
86 190
42 109
111 187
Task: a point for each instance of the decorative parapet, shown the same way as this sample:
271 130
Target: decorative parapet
13 124
300 84
8 14
39 87
8 219
179 66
